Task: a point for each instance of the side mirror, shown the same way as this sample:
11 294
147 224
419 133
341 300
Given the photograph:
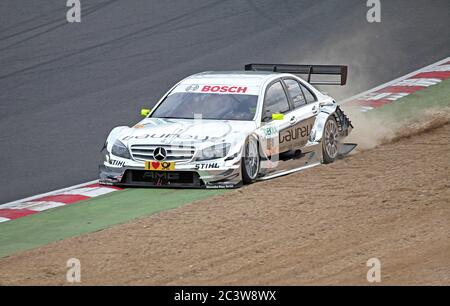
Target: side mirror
277 116
145 112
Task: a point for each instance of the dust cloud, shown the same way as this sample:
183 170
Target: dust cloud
373 130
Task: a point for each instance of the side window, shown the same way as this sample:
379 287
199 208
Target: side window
275 100
295 92
308 95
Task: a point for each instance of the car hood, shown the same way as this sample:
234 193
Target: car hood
182 131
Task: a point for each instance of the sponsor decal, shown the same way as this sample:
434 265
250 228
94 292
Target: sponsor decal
270 131
162 177
118 163
272 150
270 141
217 88
207 166
296 133
159 166
168 135
224 89
220 186
194 87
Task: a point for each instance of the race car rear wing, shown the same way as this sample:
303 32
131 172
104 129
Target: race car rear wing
308 70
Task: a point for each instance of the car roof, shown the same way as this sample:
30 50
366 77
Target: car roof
252 78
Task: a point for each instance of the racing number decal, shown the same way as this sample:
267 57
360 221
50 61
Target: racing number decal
296 136
159 166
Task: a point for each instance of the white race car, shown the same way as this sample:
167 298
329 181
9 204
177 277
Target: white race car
225 129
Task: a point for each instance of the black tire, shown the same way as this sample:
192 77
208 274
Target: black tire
249 175
330 141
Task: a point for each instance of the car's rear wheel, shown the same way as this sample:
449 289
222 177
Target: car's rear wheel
250 161
330 145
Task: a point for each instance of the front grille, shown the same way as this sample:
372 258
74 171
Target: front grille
174 153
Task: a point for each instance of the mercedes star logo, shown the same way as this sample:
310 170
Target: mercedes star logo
160 154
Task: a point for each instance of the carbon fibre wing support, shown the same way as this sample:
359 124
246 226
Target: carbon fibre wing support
308 70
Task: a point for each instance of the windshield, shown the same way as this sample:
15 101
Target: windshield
190 105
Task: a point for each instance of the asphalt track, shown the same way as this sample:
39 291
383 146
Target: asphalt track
64 86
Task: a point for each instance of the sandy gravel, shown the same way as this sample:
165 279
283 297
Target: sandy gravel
316 227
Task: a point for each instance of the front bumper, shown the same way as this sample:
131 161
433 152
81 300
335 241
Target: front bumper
211 174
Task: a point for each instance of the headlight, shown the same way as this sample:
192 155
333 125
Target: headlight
120 150
214 152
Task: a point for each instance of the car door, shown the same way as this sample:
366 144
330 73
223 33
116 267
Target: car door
276 102
305 108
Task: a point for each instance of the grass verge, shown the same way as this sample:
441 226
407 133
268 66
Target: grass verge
91 215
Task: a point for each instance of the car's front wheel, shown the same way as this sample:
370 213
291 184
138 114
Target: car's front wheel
250 161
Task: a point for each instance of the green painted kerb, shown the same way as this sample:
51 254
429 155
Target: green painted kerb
91 215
